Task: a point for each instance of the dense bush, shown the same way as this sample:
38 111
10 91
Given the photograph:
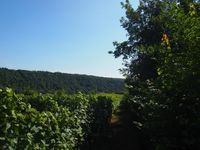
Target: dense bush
102 112
162 59
50 121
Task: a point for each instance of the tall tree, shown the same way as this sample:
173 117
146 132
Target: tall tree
162 71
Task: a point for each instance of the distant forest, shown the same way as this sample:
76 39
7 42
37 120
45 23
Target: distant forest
41 81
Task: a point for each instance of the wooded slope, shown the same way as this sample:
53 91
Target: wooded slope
22 80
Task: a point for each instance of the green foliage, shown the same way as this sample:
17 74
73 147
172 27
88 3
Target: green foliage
30 81
46 126
116 99
50 121
102 113
162 71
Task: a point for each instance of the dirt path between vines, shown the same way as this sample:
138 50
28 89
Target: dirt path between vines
121 136
124 136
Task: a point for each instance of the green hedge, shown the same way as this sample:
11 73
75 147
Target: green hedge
49 121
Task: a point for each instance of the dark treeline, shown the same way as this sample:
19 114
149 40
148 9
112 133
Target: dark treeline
22 80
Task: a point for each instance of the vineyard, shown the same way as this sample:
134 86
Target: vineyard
51 121
158 107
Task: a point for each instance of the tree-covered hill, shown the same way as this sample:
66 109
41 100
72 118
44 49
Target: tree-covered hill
22 80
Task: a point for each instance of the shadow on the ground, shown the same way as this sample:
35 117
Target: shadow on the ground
120 135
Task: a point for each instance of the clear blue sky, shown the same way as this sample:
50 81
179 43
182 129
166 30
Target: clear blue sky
72 36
